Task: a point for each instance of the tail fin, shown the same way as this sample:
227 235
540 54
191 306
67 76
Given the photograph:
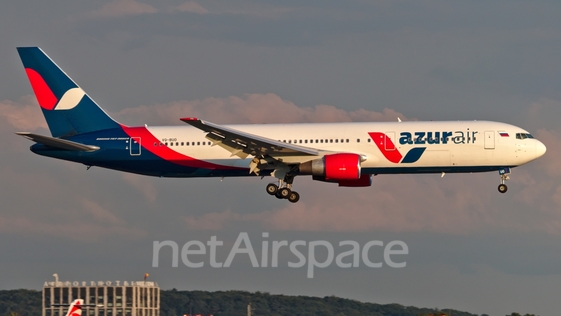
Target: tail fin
66 107
75 308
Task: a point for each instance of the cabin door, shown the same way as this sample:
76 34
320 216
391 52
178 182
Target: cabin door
489 139
134 145
389 141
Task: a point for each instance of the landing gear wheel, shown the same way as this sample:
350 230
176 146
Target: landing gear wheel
278 196
272 188
503 188
284 193
504 172
294 197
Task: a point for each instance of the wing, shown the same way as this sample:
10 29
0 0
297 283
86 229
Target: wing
243 144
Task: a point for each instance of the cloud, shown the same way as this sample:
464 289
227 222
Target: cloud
101 214
552 140
193 7
249 108
262 11
147 189
22 115
211 221
81 231
120 8
327 207
39 204
455 204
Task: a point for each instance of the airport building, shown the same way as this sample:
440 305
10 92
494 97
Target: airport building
102 298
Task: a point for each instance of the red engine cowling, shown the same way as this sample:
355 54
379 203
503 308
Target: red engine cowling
364 181
334 167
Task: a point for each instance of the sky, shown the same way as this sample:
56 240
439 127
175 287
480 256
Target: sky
469 247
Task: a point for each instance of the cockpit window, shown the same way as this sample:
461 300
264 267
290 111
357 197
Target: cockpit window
523 135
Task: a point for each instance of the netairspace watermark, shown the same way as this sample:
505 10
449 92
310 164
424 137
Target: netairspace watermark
351 257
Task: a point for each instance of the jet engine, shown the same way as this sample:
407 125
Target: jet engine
333 167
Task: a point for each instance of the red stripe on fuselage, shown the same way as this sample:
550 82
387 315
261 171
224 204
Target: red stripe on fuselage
167 153
381 140
45 96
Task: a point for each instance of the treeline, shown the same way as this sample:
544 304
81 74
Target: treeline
234 303
20 302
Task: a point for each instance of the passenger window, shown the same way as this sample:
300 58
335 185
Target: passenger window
182 144
336 141
347 140
155 143
369 140
198 143
166 144
358 140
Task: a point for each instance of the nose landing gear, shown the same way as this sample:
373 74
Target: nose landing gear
504 172
503 188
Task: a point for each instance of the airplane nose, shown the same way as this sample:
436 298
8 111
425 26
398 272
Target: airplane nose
540 149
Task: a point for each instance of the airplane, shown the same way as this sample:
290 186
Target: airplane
347 154
75 308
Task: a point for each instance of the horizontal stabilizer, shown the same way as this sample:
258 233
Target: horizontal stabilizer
57 142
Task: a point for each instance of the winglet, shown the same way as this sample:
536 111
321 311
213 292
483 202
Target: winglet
187 119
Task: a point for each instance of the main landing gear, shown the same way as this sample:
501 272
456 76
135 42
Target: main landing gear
284 190
504 172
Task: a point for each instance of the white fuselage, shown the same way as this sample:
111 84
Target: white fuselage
448 144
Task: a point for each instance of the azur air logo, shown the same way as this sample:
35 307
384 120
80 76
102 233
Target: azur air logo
390 151
46 96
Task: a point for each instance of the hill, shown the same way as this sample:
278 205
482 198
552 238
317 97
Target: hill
177 303
234 303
